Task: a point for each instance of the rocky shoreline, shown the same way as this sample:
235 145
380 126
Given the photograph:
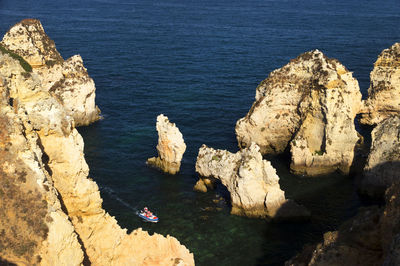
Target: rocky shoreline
47 197
309 108
306 108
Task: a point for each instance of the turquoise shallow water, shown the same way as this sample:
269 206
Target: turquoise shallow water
199 62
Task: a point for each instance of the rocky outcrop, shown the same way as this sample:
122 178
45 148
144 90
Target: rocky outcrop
28 39
67 80
71 84
310 103
369 238
171 146
384 92
59 219
383 164
34 228
252 182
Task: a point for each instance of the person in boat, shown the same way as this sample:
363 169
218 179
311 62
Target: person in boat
147 212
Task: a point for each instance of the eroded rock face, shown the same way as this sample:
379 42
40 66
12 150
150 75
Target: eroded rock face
384 92
67 80
251 181
28 39
53 160
34 228
310 103
71 84
383 164
171 146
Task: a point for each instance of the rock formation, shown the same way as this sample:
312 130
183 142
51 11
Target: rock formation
310 103
370 238
383 164
34 228
50 203
67 80
170 146
384 92
252 182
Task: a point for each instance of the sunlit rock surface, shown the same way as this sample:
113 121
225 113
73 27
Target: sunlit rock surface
252 182
67 80
384 92
170 148
54 210
310 103
34 228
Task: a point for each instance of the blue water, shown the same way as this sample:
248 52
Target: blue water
199 62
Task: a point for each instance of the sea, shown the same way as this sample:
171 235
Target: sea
199 63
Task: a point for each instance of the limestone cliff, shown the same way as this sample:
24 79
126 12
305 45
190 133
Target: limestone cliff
384 92
383 164
67 80
252 182
34 229
310 103
171 146
59 218
370 238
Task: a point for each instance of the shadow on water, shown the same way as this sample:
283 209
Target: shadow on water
366 237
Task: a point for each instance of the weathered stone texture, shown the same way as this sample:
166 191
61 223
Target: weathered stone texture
384 92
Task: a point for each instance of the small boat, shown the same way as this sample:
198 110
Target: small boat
148 216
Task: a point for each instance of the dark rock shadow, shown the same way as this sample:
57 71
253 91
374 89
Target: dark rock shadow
4 262
368 238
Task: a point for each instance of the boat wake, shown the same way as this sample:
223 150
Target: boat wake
114 196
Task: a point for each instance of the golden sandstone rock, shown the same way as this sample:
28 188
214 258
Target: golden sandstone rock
384 92
252 182
51 204
67 80
171 146
308 105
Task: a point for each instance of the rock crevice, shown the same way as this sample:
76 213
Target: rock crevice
384 92
42 144
308 105
67 80
252 182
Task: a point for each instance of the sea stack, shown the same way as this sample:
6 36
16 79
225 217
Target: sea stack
384 92
310 103
171 146
52 210
383 164
67 80
252 182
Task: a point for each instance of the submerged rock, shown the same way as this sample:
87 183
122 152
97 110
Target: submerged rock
171 146
310 103
383 164
384 92
252 182
54 210
67 80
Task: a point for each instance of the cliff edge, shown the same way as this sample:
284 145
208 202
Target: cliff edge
384 91
308 105
53 209
67 80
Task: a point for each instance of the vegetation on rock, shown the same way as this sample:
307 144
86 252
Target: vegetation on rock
25 65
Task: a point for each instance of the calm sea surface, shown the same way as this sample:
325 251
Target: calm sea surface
199 63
